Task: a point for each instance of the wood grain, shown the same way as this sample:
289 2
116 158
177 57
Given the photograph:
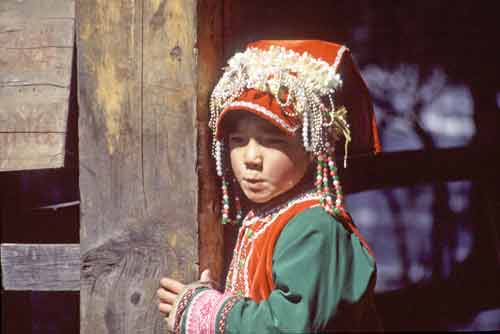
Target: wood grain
42 267
17 150
137 145
36 49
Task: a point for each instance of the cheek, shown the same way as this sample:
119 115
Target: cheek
236 164
283 169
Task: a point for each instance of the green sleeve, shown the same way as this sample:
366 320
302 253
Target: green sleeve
321 273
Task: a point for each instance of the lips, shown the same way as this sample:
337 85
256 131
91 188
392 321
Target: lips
253 184
253 181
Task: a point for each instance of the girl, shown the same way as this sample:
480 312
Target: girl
281 115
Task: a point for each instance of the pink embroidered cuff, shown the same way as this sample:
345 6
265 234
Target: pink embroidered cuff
201 317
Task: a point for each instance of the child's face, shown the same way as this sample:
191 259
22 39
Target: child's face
265 161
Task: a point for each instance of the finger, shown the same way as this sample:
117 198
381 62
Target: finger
166 296
170 325
171 284
205 276
164 308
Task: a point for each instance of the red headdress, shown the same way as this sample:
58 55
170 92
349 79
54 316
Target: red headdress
309 87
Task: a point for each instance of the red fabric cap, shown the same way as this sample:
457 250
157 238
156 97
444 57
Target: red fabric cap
323 50
353 95
265 106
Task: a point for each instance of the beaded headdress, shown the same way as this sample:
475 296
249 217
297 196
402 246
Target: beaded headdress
300 87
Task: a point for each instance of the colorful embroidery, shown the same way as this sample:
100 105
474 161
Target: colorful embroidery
201 317
253 226
225 311
180 309
198 316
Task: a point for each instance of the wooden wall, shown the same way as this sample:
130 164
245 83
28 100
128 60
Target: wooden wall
36 49
145 70
138 179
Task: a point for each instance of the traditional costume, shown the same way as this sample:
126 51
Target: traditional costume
299 266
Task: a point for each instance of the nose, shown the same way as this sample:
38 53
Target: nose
252 155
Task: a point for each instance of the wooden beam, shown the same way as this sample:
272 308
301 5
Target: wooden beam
42 267
408 168
137 144
36 49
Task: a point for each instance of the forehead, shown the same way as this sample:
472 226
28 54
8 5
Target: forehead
244 121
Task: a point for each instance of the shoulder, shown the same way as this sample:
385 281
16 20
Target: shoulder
314 223
315 219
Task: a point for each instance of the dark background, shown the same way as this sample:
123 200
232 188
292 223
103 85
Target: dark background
429 204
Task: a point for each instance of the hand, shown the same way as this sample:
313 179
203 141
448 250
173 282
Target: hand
168 292
205 276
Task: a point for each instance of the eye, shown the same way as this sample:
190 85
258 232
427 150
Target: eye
274 140
236 139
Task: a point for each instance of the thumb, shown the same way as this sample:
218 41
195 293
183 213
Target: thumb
205 276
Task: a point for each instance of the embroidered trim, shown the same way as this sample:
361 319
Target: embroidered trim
218 307
306 197
260 109
225 311
253 227
270 214
180 309
339 57
200 312
191 317
245 272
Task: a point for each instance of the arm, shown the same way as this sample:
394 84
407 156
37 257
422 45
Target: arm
318 266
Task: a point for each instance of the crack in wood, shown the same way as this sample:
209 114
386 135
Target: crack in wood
6 84
57 18
31 132
10 31
142 113
40 47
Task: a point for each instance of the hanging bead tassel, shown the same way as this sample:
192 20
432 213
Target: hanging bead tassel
239 211
227 216
339 208
326 170
218 151
225 202
305 132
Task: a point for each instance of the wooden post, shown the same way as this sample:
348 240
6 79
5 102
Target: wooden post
211 50
138 180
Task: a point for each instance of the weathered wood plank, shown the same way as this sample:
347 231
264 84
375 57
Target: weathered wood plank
17 150
46 9
36 48
138 178
42 267
50 67
33 109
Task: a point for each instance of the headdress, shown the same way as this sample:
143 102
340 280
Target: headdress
309 86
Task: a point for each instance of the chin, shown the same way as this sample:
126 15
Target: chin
258 198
